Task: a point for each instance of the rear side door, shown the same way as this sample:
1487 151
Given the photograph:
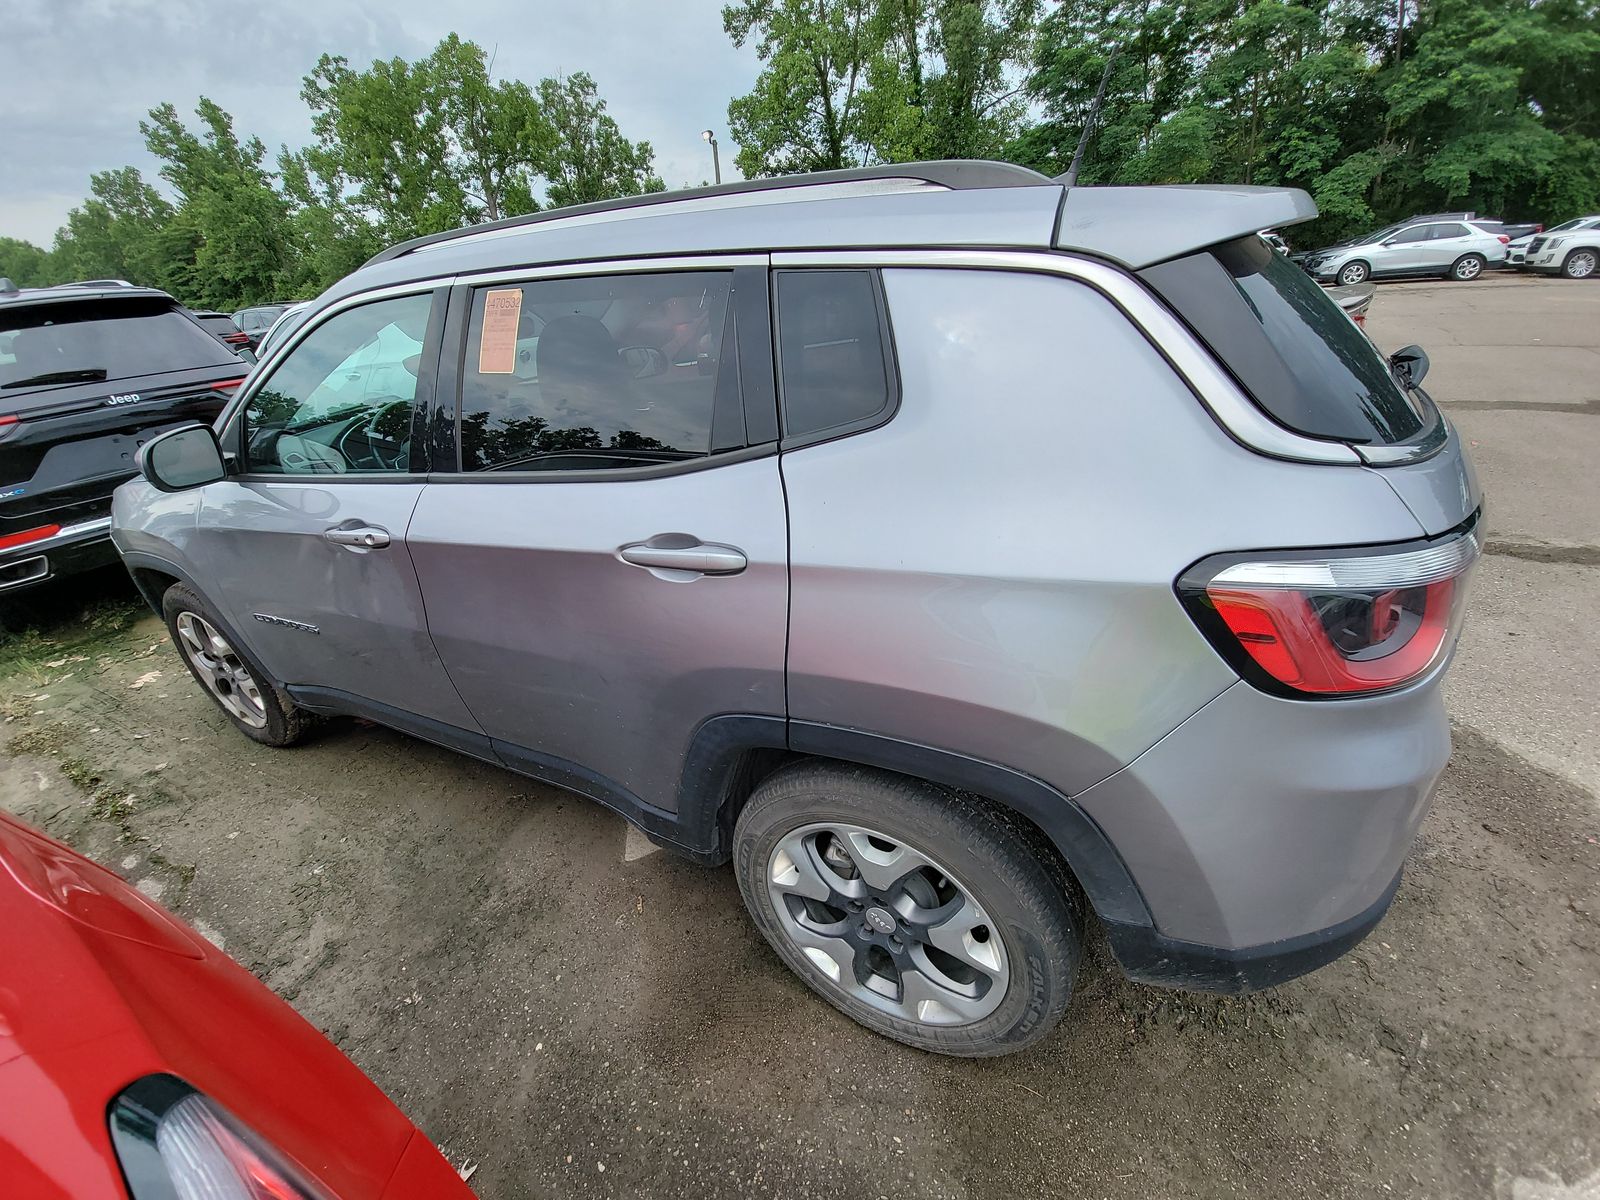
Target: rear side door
306 543
603 548
1448 241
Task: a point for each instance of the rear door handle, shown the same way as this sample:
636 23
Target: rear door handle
698 558
362 537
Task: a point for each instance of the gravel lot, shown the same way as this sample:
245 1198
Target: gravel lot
584 1018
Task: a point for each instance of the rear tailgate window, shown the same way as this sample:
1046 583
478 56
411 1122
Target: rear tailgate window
78 341
1287 343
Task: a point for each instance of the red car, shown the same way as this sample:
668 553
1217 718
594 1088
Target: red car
137 1060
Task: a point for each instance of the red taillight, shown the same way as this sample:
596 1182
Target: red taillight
9 419
1333 624
1504 240
37 534
226 385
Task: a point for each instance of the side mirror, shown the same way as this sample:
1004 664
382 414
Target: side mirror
247 354
643 361
1411 364
182 459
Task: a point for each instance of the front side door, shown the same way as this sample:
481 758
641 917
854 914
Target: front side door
604 558
1404 253
306 543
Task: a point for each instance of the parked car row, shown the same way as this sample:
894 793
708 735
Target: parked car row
1457 246
1571 248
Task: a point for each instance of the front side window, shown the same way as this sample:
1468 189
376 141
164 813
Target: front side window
1413 233
832 351
600 373
342 401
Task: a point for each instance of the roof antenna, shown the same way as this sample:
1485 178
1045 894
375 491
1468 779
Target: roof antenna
1071 175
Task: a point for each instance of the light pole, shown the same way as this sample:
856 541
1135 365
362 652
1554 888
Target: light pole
716 160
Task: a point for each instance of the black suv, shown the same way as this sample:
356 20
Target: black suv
88 374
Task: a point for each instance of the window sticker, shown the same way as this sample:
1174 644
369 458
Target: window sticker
497 341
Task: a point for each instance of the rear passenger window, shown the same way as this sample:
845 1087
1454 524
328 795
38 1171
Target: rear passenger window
1438 233
600 373
833 352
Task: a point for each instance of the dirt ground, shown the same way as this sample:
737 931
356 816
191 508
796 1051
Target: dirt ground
582 1018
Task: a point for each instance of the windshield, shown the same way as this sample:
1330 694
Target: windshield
1386 231
85 341
1288 343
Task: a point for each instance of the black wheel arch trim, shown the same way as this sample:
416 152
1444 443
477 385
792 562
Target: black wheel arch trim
139 560
1095 862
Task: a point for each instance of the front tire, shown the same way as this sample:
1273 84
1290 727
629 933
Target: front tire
234 681
1581 264
1354 272
1468 267
925 915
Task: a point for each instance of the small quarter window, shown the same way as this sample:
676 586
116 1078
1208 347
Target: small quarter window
833 351
598 373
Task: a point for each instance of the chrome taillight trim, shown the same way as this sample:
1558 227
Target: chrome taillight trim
1412 568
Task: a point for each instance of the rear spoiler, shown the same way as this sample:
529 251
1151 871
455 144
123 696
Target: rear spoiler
1142 226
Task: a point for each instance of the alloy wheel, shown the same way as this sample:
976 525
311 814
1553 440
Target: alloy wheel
1352 273
887 924
221 669
1581 264
1468 268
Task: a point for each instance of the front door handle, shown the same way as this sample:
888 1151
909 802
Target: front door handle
695 558
362 537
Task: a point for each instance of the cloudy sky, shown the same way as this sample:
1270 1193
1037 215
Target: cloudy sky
76 76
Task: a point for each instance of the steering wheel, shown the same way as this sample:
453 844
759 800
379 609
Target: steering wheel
372 458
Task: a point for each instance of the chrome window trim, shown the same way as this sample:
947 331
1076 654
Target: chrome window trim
621 266
1233 411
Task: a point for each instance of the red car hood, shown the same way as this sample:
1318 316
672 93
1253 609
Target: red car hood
99 987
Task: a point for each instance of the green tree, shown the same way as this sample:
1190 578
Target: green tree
229 212
25 264
944 80
582 153
804 113
114 232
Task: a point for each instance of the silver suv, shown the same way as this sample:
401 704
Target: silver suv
965 557
1453 249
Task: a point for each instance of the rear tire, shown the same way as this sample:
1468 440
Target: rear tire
1354 272
944 922
1468 267
230 676
1581 263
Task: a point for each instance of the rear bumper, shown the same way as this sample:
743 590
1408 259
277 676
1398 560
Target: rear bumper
79 547
1149 957
1266 834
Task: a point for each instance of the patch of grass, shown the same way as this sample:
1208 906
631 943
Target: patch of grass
47 739
31 654
116 805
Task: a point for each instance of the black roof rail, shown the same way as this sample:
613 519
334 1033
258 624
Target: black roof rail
956 174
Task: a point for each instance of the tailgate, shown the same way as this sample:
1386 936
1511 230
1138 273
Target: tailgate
60 465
